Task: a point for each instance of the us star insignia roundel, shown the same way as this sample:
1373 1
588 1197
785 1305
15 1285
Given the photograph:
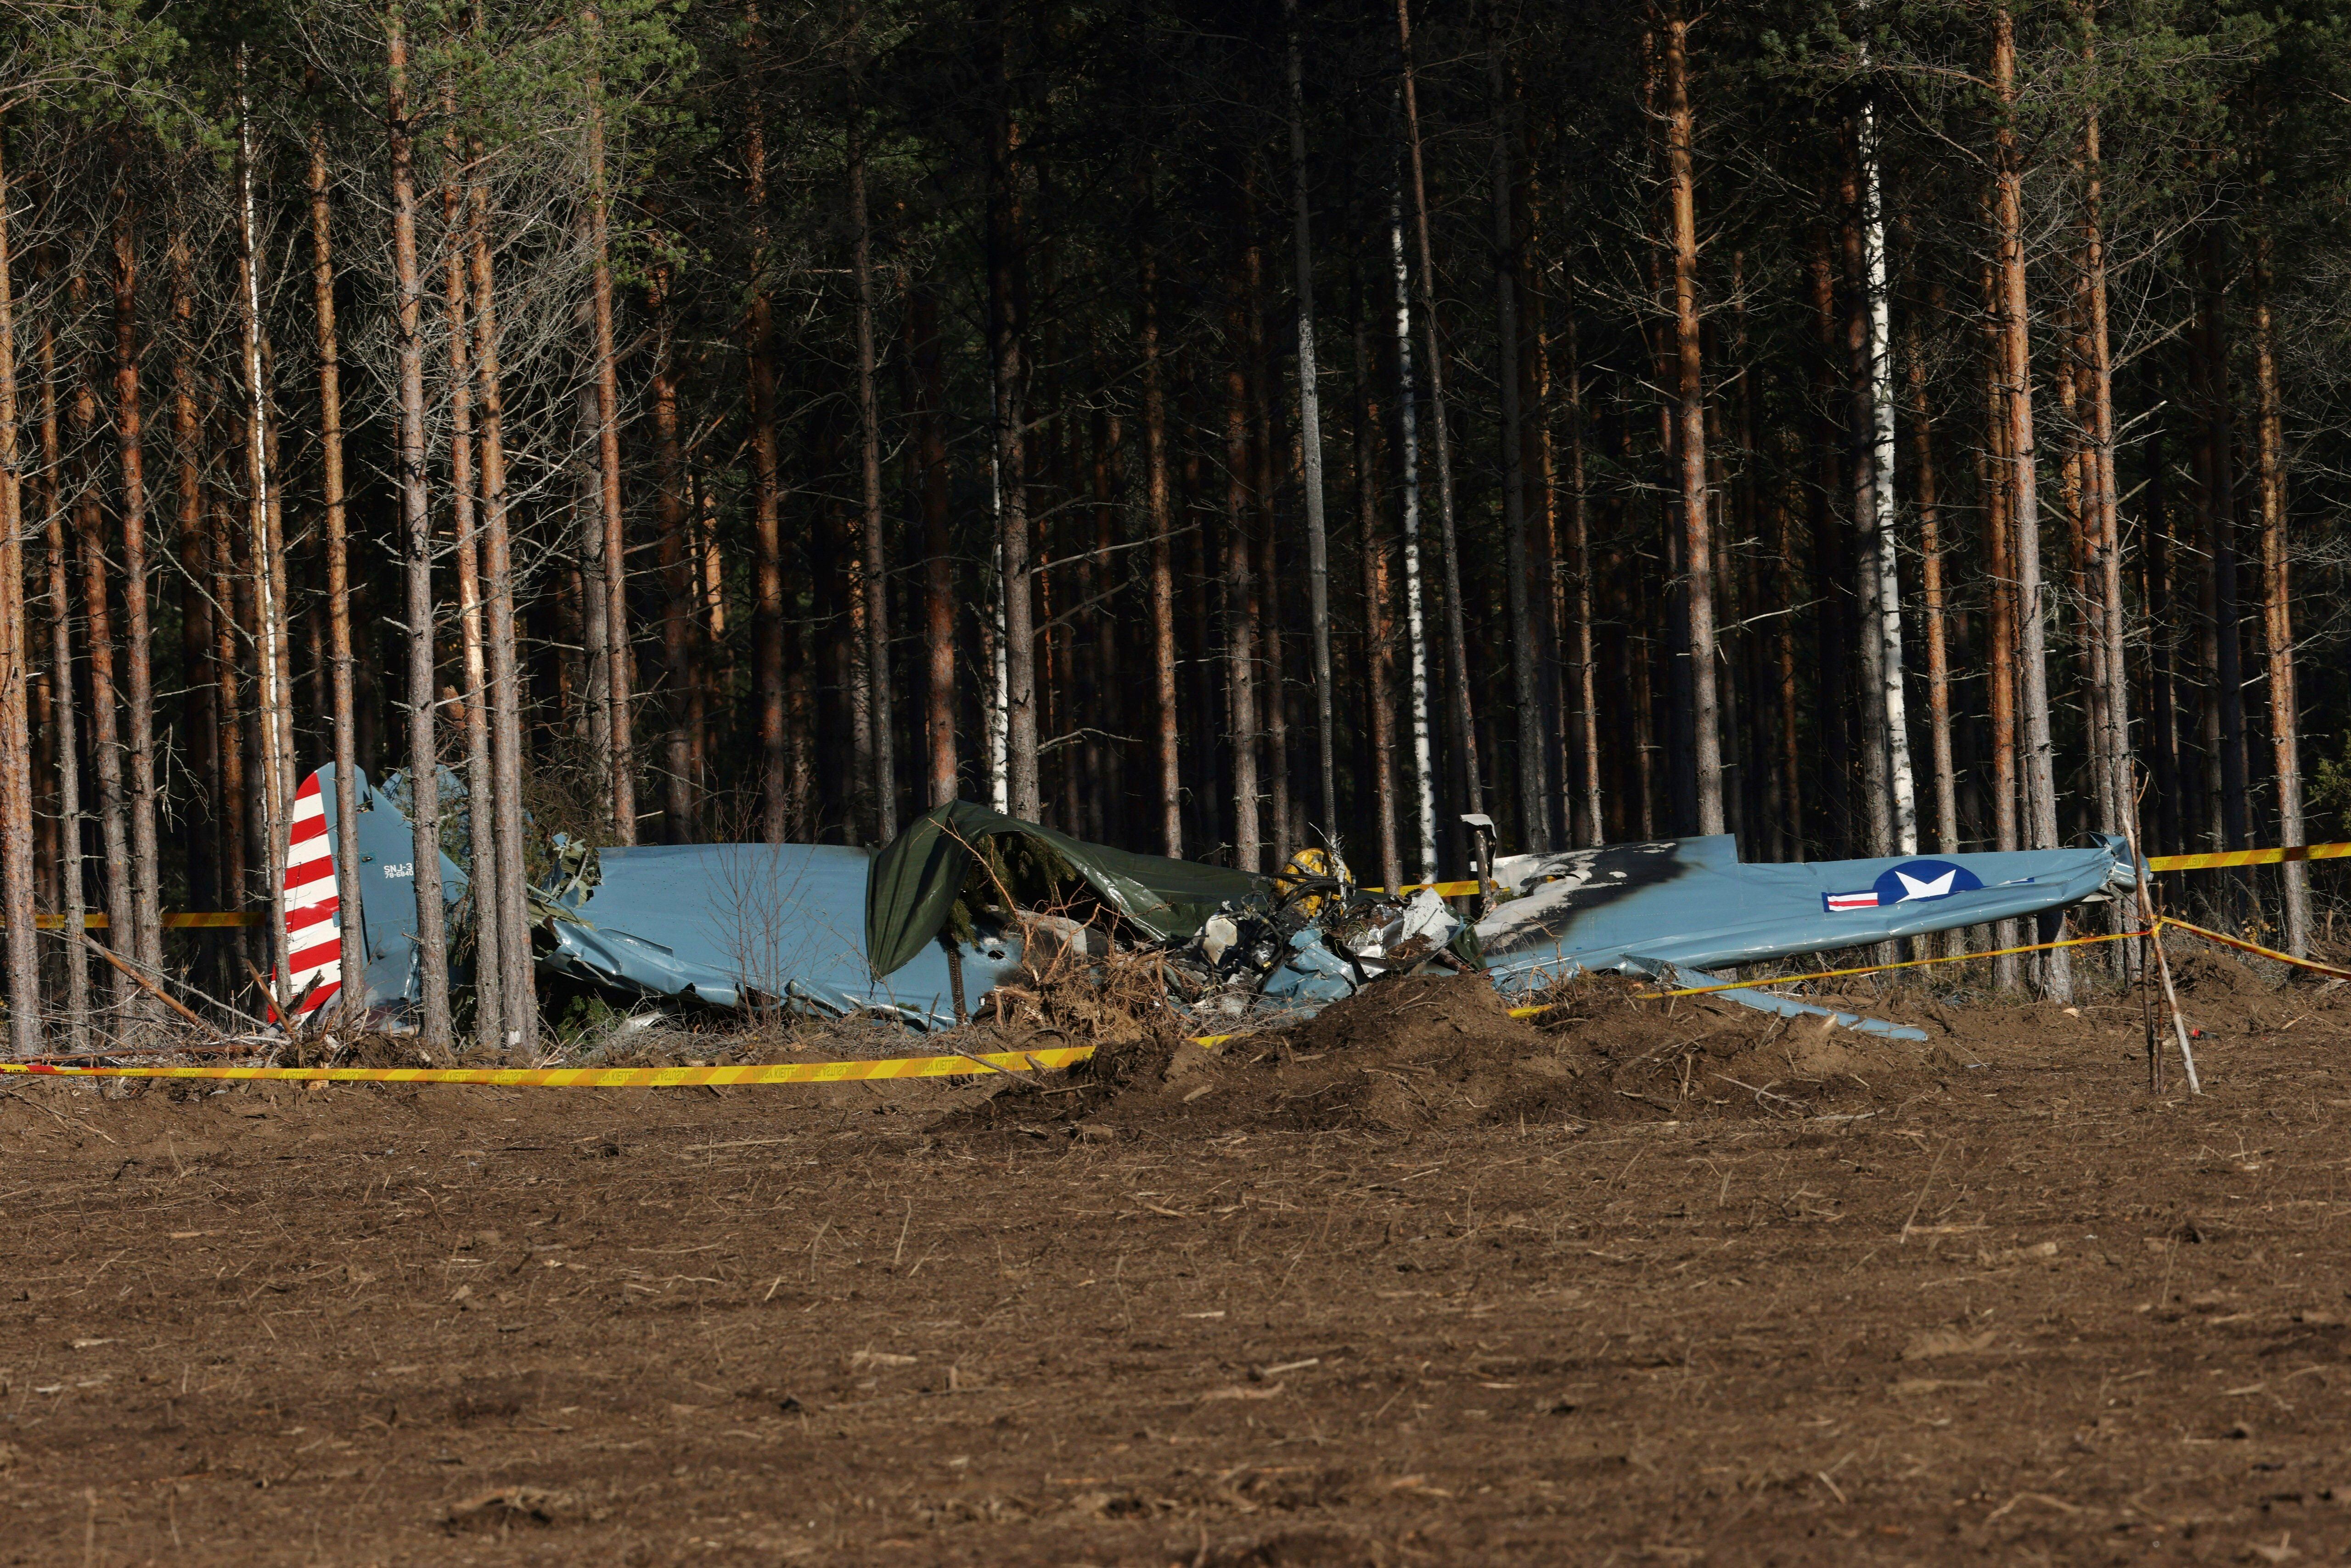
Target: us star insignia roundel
1912 881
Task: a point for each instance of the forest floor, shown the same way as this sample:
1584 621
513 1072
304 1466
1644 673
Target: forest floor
1418 1283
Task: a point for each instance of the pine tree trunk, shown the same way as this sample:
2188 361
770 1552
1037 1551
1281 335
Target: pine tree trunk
338 578
41 695
2113 617
472 708
1416 629
200 681
1886 594
2078 504
97 642
1267 631
145 941
619 645
2040 747
2225 727
1833 644
16 904
2162 711
271 661
884 782
1787 751
1379 630
587 518
1309 429
1241 597
2000 635
416 520
1170 790
71 900
1698 549
1538 442
1008 331
1759 820
1931 572
2206 811
1877 783
2277 604
942 766
1441 436
1591 821
1100 704
767 539
236 873
1526 624
676 574
518 987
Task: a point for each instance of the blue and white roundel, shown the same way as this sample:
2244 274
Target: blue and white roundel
1916 880
1912 881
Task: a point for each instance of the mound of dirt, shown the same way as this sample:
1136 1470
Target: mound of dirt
2224 996
1445 1052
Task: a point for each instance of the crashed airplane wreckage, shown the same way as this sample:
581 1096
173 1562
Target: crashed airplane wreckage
923 928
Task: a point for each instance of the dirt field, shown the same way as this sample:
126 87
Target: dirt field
1419 1284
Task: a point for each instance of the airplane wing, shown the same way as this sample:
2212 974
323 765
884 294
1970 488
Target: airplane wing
1691 903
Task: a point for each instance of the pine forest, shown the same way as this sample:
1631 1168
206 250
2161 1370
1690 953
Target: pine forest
1864 427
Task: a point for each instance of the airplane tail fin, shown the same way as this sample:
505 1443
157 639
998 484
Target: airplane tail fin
312 965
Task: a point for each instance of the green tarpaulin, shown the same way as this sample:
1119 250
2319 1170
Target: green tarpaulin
914 880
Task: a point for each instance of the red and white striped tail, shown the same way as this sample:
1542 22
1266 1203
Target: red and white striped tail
314 933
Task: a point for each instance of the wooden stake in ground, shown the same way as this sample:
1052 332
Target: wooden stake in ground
2162 962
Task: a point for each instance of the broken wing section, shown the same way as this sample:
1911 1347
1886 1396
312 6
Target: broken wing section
729 924
1690 903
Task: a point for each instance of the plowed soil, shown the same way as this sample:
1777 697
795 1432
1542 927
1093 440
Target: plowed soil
1415 1284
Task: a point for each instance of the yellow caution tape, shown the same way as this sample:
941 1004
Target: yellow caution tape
1004 1061
1995 953
2155 862
1905 963
2249 857
2243 945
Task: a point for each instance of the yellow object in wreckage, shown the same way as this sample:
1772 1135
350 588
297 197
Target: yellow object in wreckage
1311 864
